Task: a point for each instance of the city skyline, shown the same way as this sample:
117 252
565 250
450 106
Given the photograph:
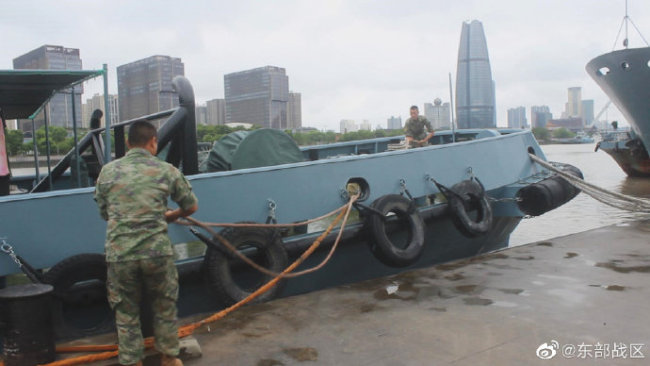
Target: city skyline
348 60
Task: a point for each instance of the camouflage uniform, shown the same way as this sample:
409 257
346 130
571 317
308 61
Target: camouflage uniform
132 196
417 128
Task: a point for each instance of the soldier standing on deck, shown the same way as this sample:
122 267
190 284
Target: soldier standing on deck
416 135
131 193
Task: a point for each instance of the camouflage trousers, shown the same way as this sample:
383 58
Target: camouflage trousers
125 282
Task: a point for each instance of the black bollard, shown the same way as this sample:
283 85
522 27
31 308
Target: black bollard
27 332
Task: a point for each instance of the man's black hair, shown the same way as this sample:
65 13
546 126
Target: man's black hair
141 132
414 107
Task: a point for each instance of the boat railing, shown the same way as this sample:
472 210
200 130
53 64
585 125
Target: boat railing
176 141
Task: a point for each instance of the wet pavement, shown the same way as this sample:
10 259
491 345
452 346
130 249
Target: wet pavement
578 300
581 299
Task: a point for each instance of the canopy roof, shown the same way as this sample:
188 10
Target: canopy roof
23 92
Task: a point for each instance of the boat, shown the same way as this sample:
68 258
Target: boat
579 138
624 76
461 195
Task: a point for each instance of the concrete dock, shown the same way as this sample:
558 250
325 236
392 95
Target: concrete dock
587 296
581 299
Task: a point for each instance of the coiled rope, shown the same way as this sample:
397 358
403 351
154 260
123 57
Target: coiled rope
110 351
603 195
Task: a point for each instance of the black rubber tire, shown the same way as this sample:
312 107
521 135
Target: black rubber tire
382 245
470 195
80 303
221 268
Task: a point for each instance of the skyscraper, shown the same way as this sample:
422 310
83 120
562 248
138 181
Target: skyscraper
438 114
258 96
517 118
394 123
475 100
574 103
216 111
539 115
294 111
145 86
59 108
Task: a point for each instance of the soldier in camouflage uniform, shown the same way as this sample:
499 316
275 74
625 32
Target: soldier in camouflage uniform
416 135
131 193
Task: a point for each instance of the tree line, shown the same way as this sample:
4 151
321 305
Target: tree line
62 141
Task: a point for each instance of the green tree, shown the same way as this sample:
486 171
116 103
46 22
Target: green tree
563 133
14 140
542 134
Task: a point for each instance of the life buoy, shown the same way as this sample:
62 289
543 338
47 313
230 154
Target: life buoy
79 284
467 196
231 279
399 243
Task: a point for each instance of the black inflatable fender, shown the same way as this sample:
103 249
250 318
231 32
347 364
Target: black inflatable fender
380 243
466 196
218 264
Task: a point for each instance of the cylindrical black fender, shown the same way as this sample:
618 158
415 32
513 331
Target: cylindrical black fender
469 195
80 303
231 279
548 194
383 243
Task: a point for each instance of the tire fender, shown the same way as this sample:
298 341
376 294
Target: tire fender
470 195
224 269
382 245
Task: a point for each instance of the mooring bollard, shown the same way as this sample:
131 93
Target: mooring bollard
26 318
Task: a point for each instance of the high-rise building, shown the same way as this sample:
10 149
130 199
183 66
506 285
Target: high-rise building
574 103
539 116
59 108
588 111
475 100
517 118
145 86
348 125
201 114
259 96
365 125
216 111
294 111
97 102
438 114
394 123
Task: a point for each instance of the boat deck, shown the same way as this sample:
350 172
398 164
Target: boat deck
588 292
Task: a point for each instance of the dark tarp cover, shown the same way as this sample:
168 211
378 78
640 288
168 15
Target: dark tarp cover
23 92
251 149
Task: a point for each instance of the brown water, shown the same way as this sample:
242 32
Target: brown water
583 212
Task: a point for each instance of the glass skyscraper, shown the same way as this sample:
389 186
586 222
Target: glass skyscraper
145 86
475 102
59 108
259 96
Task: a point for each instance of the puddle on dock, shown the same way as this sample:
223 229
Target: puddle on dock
477 301
613 265
511 291
302 354
570 255
269 362
545 244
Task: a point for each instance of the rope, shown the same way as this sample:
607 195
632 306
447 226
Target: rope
603 195
189 329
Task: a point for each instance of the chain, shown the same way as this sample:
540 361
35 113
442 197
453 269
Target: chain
9 250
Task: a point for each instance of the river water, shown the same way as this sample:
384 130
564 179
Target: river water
583 212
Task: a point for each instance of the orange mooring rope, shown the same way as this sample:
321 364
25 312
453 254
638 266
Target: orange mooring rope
110 350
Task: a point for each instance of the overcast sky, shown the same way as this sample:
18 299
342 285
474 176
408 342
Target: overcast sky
349 59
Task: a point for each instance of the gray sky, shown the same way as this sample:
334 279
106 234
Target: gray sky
350 59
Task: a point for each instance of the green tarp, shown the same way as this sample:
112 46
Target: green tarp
251 149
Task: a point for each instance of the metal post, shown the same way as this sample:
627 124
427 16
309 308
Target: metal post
107 119
74 132
451 108
38 174
47 149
